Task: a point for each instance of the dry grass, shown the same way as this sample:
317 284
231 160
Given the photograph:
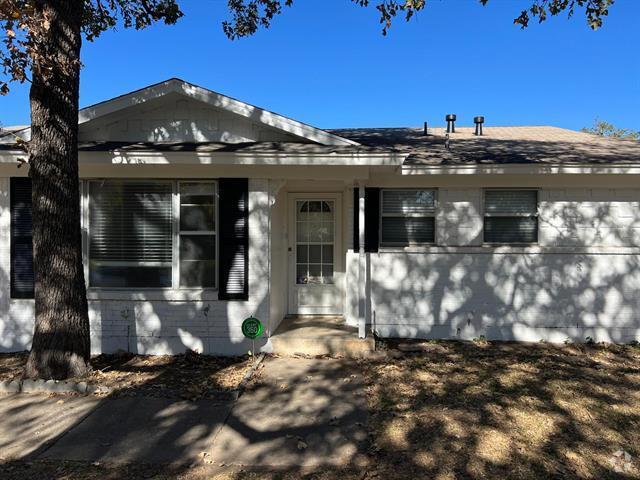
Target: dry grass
464 410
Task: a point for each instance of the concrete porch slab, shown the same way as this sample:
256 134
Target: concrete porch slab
319 335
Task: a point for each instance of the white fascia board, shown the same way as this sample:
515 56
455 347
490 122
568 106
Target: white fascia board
195 158
217 100
595 169
13 156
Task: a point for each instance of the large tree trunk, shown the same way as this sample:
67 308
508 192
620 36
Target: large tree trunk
61 346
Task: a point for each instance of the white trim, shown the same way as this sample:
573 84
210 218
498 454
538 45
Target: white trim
217 100
549 169
118 157
362 280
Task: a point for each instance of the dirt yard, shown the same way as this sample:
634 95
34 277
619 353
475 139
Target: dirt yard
506 410
189 376
449 410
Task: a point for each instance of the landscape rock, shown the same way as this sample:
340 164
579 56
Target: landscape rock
10 387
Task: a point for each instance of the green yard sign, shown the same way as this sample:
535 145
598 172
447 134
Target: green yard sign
252 328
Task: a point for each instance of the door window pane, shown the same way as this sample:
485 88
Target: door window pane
315 241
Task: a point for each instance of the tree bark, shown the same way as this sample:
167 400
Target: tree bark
61 345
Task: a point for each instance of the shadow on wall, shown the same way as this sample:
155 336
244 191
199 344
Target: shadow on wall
575 291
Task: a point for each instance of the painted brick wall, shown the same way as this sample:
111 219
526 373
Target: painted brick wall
155 326
590 217
582 280
551 296
459 216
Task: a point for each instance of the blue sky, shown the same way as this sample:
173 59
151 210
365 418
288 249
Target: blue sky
325 62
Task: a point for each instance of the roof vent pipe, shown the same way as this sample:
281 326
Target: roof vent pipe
478 121
451 123
426 129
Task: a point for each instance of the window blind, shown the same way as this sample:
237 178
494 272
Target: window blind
511 216
408 217
130 234
511 202
409 202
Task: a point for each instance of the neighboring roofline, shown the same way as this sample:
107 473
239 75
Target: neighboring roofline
176 85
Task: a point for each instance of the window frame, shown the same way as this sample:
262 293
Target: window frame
178 234
409 215
486 214
175 233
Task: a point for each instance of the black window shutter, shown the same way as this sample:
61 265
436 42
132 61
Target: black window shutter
22 277
356 220
233 243
371 219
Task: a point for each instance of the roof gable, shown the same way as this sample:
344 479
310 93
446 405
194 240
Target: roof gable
184 96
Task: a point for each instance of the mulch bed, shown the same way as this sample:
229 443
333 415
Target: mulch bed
190 376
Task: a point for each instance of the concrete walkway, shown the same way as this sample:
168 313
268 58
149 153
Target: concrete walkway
300 413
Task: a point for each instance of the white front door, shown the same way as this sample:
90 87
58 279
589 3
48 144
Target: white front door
314 254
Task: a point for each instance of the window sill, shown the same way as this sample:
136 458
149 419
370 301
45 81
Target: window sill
167 295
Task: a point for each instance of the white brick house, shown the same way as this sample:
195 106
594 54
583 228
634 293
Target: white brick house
200 210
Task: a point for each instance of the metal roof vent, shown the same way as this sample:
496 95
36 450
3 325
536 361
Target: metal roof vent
451 123
478 121
426 129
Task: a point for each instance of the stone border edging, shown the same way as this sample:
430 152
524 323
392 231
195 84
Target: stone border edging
247 376
66 387
51 386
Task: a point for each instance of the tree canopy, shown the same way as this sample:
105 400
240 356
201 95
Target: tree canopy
606 129
23 23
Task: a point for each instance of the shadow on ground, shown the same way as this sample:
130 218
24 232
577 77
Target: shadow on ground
453 410
507 410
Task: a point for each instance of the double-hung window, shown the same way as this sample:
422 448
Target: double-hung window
407 217
136 236
197 234
511 216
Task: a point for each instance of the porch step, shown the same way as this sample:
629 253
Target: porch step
319 335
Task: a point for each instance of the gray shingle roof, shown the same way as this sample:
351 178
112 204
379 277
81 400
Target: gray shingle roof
498 145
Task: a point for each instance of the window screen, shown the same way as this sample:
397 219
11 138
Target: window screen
511 216
407 217
130 234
